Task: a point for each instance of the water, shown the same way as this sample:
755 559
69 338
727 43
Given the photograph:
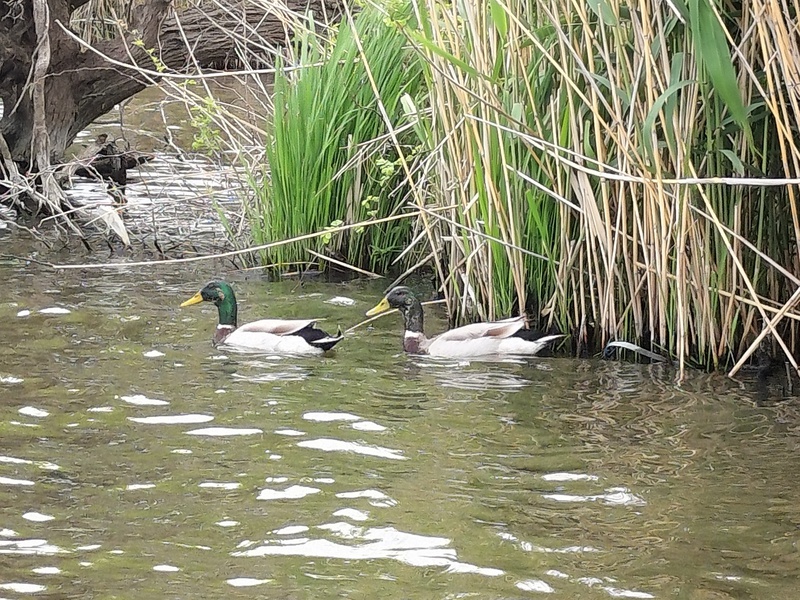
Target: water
136 461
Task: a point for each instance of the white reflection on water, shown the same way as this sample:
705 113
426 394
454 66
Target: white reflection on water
227 523
376 498
376 543
270 377
528 547
224 431
172 419
232 485
10 481
291 530
367 426
267 369
535 585
37 517
166 568
54 310
568 477
22 588
327 417
496 380
619 495
32 411
142 400
291 493
611 590
332 445
352 513
37 547
246 581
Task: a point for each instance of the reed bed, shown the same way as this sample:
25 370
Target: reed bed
618 169
329 159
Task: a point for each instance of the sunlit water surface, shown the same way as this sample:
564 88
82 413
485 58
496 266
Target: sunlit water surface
136 461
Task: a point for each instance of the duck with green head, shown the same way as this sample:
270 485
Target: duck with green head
282 336
498 338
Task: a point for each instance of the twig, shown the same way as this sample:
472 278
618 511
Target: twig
344 264
299 238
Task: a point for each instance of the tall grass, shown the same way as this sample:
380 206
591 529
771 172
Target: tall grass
586 139
617 171
328 156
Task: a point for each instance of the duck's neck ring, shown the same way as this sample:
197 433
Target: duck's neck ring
414 332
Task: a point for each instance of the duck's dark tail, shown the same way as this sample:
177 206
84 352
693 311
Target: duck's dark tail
538 340
320 339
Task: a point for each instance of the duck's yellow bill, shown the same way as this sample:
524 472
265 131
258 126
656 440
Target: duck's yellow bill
196 299
382 306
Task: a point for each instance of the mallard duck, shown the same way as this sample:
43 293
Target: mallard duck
282 336
506 337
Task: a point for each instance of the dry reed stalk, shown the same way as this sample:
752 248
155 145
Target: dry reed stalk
619 127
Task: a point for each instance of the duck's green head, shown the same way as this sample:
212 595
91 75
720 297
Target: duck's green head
221 294
403 299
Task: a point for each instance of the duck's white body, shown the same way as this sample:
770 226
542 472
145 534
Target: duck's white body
280 336
478 339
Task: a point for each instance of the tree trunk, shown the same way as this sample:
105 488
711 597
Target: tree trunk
82 84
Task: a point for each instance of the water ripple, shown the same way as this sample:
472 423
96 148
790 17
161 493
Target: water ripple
327 417
375 543
10 481
482 381
37 517
220 485
568 477
351 513
332 445
30 411
142 400
224 431
535 585
619 495
375 497
367 426
172 419
291 493
30 546
246 581
22 588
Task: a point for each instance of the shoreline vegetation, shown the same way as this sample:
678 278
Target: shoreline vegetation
616 172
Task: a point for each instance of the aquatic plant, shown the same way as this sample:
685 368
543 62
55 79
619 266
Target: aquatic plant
619 173
328 155
607 169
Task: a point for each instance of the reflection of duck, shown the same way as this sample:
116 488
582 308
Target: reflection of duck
283 336
504 337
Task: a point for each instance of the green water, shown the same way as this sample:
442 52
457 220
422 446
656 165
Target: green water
366 473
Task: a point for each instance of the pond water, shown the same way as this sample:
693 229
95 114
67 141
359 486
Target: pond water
136 461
